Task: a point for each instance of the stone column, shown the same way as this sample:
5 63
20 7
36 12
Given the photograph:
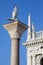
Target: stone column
29 60
15 52
33 60
15 30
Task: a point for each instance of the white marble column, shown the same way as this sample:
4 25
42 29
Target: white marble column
29 60
33 60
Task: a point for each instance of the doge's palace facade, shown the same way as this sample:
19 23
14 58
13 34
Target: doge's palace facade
34 45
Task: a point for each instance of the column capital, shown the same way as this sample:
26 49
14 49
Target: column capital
15 29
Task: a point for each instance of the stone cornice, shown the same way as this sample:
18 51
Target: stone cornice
33 42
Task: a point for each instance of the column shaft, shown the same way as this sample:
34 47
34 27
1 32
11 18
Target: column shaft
29 60
15 52
33 61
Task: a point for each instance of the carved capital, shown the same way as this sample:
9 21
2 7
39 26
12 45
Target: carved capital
15 34
15 29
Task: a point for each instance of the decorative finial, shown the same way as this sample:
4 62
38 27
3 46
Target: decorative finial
29 14
14 13
32 26
29 22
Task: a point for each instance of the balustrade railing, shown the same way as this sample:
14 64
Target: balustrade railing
39 34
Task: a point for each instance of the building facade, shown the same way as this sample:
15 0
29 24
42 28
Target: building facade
34 45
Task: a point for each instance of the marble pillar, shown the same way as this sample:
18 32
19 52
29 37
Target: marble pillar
29 61
15 51
33 60
15 30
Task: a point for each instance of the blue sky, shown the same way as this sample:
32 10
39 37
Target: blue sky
35 8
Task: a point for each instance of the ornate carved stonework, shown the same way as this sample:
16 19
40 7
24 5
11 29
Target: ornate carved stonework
38 58
15 29
34 45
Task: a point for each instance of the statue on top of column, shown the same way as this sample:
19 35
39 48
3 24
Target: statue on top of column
14 13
